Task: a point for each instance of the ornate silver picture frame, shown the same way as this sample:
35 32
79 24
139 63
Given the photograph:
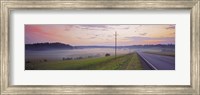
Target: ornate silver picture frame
6 7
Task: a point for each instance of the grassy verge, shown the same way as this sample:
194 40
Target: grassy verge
124 62
172 54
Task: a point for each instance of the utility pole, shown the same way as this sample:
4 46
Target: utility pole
115 45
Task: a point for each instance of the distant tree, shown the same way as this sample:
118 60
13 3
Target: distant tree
45 60
47 46
107 54
28 61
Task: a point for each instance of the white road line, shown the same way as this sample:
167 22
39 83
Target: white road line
148 62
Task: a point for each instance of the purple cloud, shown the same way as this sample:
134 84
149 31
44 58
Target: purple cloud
173 26
137 28
93 27
143 34
164 40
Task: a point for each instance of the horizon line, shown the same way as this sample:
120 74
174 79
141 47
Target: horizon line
98 45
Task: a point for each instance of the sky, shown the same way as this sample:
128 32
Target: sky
100 34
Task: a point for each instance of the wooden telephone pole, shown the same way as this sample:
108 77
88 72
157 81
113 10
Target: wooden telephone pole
115 45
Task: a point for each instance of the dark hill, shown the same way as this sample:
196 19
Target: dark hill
47 46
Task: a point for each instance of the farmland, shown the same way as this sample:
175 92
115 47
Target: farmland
129 61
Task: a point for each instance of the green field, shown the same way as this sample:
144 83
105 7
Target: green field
124 62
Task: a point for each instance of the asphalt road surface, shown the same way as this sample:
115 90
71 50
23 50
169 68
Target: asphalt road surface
158 62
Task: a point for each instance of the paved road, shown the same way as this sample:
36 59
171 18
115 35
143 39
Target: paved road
158 62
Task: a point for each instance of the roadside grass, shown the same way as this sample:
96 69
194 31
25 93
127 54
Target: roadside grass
126 62
123 62
172 54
